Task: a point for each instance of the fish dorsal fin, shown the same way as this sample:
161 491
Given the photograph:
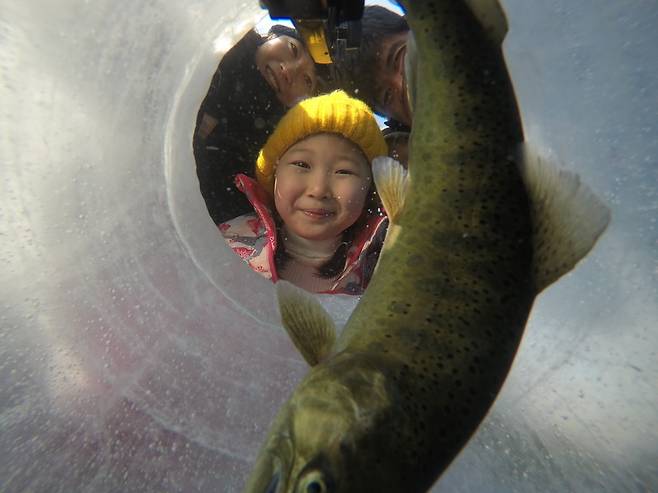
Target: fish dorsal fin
491 17
391 182
567 217
308 324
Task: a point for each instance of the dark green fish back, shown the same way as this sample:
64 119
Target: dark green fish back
445 321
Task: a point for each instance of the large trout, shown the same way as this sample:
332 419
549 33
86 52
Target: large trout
481 231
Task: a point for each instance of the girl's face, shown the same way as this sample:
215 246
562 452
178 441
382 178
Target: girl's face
288 68
321 186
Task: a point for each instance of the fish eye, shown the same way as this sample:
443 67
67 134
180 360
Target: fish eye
315 487
312 483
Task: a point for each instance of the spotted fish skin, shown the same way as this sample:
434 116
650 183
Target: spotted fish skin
458 285
427 349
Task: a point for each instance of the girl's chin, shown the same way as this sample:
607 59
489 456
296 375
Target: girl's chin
313 237
316 235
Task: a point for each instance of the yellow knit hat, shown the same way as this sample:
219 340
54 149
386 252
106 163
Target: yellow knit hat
330 113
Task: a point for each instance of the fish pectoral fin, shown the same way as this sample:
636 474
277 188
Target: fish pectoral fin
567 217
308 324
491 17
391 182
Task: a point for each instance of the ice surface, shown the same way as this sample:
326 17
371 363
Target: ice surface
137 353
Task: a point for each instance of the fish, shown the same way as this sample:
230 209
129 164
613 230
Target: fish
480 224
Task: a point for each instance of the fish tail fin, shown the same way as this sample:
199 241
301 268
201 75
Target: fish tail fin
309 326
391 182
568 218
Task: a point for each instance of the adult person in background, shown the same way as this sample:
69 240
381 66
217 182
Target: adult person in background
255 83
377 77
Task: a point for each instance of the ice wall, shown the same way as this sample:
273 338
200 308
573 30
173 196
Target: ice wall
137 354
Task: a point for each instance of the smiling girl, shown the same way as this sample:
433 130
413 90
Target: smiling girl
315 222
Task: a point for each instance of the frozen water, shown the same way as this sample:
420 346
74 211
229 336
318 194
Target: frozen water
137 354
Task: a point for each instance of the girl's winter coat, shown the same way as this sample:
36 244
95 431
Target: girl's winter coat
253 237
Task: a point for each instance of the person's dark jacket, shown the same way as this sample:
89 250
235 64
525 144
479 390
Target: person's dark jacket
247 110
